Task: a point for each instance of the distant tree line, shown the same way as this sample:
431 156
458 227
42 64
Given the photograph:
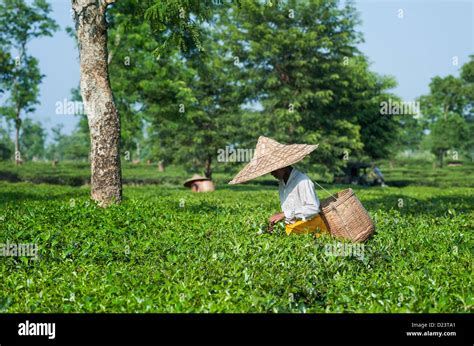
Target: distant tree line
290 70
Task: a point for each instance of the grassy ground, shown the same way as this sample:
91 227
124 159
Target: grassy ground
401 173
167 250
428 174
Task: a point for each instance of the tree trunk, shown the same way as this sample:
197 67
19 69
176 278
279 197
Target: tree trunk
17 137
208 172
17 144
161 167
102 115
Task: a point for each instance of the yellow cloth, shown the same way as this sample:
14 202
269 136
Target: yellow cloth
308 226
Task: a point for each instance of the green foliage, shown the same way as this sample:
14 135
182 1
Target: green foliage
411 135
401 172
423 172
450 94
448 132
467 71
448 113
23 89
300 61
20 23
6 66
178 20
6 145
446 96
75 146
32 139
143 84
185 100
151 255
205 114
23 21
192 99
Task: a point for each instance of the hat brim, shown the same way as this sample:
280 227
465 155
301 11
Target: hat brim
189 182
266 164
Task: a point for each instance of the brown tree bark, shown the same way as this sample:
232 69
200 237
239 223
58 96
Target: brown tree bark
208 167
17 138
102 115
440 156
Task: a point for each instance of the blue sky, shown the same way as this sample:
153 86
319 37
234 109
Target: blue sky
413 49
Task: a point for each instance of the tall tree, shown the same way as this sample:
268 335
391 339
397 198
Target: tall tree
99 105
206 112
24 92
448 112
135 72
177 18
21 23
300 62
448 132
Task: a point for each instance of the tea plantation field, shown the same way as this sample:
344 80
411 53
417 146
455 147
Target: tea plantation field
167 250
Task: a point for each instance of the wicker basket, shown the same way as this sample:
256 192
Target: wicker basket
346 217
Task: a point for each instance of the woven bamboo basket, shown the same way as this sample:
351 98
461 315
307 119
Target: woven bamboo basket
346 217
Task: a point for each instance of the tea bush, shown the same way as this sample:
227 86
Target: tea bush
165 249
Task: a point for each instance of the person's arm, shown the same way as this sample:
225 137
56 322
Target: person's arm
272 220
276 217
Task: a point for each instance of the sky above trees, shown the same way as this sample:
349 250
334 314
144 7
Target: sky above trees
413 41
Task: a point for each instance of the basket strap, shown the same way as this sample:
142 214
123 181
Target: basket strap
314 181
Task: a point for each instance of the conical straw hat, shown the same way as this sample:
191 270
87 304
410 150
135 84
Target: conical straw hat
195 177
270 155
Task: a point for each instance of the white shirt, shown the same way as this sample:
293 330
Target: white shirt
298 198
